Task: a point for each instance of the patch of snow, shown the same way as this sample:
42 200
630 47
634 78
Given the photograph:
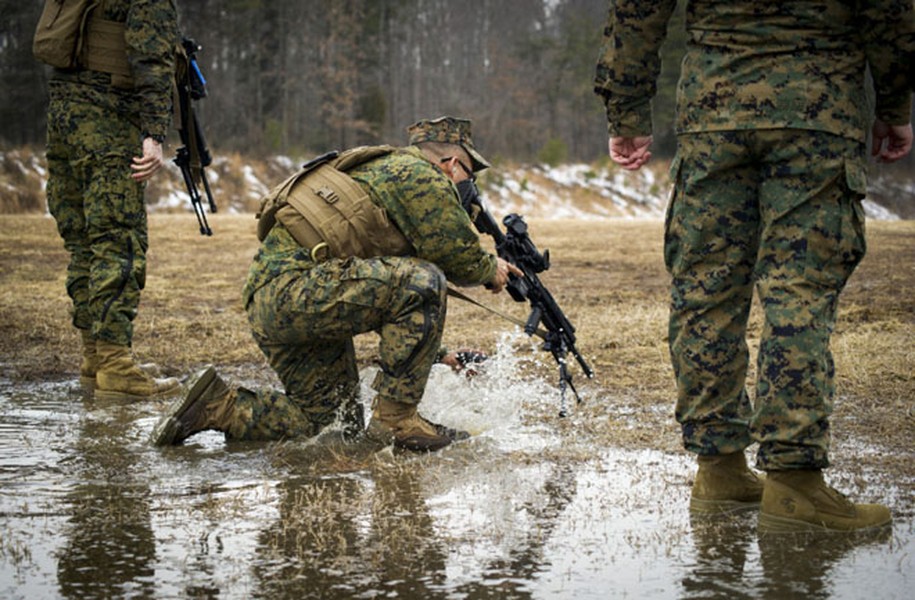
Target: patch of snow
872 210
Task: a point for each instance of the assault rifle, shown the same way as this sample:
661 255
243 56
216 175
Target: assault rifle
516 247
193 156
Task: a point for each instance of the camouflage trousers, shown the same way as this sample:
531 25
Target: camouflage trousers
779 210
100 214
305 321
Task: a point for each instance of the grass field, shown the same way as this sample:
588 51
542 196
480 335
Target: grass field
608 276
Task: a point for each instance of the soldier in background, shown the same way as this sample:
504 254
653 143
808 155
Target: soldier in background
376 259
769 176
107 120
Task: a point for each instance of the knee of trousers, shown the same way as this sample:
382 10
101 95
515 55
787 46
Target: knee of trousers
425 280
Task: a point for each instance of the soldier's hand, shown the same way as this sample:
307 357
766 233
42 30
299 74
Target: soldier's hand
146 166
466 360
630 152
890 142
503 268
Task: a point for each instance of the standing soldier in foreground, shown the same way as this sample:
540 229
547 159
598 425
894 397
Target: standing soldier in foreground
111 105
353 243
769 176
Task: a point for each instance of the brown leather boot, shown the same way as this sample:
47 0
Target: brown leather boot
89 366
208 405
801 501
724 484
455 435
119 378
400 424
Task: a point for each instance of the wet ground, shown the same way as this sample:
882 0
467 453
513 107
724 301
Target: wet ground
530 507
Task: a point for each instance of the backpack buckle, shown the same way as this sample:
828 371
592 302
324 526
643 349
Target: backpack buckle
327 194
320 252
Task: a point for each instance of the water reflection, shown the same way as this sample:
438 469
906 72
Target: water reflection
512 577
524 509
339 536
801 565
110 548
733 561
723 544
385 527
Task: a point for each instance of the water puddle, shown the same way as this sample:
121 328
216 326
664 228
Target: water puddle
527 508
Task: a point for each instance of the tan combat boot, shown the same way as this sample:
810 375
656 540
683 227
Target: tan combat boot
400 423
208 405
89 366
725 484
801 501
119 378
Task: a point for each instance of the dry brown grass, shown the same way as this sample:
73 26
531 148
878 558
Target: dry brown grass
22 172
608 276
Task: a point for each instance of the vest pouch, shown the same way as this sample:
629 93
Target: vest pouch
383 238
333 204
341 212
328 212
59 32
277 198
105 50
302 232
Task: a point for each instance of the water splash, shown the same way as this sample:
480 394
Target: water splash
495 402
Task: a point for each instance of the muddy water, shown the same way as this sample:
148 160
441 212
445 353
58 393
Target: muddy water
528 508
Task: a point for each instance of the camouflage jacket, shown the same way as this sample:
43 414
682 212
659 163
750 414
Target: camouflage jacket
424 205
760 65
151 37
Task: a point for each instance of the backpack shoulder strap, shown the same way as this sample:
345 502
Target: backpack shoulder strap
354 157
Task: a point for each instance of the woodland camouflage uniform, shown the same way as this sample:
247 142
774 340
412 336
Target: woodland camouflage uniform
304 313
769 175
96 124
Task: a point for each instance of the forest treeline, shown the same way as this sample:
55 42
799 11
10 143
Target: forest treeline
296 77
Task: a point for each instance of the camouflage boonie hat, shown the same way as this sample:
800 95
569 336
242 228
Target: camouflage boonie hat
448 130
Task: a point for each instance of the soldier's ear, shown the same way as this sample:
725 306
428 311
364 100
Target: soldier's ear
448 165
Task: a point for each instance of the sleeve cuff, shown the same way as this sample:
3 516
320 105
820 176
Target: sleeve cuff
155 136
632 119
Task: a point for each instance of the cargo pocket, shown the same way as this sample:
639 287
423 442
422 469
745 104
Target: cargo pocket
837 244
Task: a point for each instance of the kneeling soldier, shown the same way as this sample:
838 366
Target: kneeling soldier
357 242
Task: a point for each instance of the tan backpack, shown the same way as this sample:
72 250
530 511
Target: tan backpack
328 212
69 35
60 32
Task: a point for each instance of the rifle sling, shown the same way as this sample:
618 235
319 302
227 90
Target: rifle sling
540 332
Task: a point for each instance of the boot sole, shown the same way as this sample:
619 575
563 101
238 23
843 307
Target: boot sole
455 435
116 395
421 444
775 524
167 430
720 507
380 434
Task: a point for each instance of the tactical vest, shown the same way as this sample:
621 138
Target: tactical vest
330 213
70 36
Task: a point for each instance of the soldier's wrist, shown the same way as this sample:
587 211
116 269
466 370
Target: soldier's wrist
157 137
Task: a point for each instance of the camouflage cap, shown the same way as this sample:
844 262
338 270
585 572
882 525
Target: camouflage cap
448 130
